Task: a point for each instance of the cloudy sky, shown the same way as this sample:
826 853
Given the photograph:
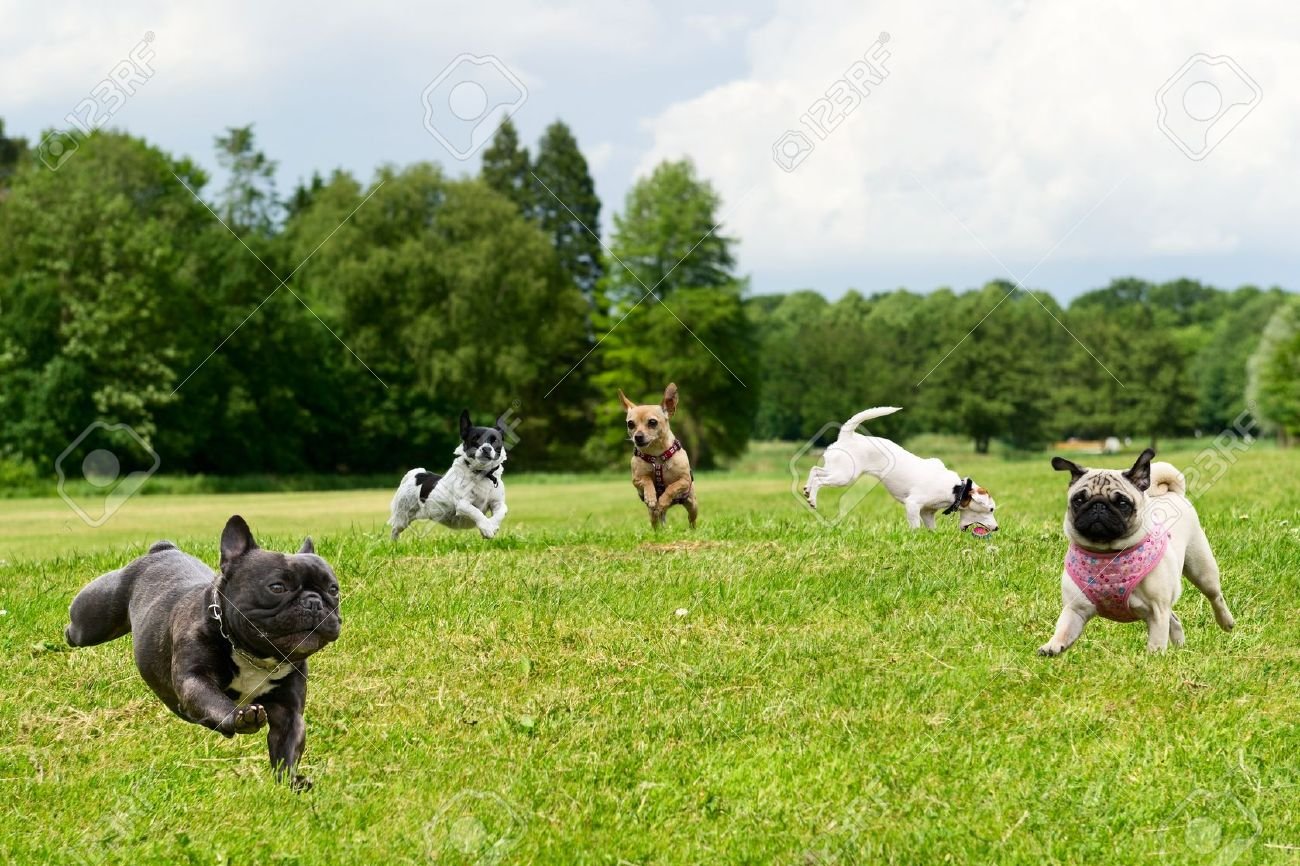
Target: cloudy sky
949 144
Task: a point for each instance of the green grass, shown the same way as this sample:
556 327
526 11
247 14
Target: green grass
849 694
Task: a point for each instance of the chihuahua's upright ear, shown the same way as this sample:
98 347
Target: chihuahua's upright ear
464 423
627 404
236 540
1060 464
670 399
1140 474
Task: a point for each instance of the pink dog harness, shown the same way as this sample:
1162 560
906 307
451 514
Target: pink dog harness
1108 579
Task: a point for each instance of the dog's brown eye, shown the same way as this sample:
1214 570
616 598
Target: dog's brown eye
631 424
277 587
653 423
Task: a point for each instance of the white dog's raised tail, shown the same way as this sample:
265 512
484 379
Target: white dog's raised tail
850 426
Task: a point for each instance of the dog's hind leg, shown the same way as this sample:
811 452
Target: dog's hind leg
101 611
692 509
837 470
1176 630
1202 570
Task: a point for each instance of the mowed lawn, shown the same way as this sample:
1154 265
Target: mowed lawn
767 689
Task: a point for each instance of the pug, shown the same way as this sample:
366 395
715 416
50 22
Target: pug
226 651
1132 534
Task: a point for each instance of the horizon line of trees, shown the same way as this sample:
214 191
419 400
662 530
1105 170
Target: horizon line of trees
495 292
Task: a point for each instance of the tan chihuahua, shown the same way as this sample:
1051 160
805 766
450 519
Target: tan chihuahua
661 471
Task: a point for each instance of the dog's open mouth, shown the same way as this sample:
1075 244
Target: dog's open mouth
979 531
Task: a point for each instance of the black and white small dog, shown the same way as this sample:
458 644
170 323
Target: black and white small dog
471 490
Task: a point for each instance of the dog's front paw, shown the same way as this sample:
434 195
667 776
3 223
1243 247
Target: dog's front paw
1050 649
488 530
249 719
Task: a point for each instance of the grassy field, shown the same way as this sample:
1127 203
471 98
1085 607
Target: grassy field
768 689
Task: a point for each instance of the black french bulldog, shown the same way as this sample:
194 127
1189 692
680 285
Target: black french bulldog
226 651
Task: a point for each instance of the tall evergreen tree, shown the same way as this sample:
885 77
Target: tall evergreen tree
249 200
567 207
507 169
12 151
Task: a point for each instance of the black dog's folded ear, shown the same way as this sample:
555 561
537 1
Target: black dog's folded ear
1060 464
1140 474
464 423
960 496
236 540
670 399
307 546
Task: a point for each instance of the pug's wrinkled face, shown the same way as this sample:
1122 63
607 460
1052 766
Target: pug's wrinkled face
1104 507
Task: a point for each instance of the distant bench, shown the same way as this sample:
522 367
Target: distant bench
1109 445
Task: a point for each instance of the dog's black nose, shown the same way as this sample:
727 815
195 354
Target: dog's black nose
313 604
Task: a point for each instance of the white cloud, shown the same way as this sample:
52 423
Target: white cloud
1015 119
598 156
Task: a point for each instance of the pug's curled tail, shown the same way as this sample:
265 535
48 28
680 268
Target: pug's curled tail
851 425
1166 479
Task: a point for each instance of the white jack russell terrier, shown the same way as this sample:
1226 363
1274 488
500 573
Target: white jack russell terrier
924 486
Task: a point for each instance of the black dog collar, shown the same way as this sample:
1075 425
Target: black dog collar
960 492
486 473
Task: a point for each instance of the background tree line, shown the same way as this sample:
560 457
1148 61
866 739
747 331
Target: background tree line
355 319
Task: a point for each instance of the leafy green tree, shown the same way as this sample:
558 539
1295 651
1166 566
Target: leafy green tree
1219 366
566 206
995 383
1275 372
303 194
12 152
454 301
249 200
507 169
1123 377
668 237
694 331
98 283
